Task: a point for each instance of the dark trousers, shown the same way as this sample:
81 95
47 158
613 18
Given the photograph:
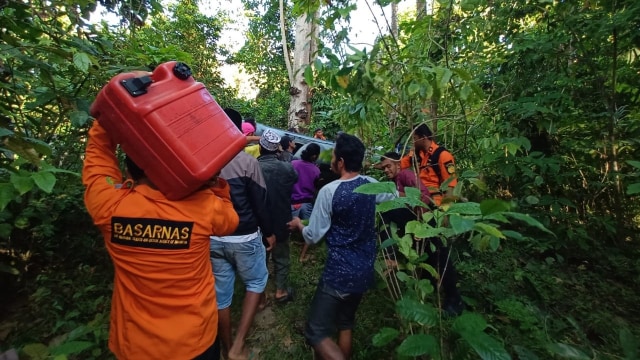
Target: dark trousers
212 353
281 260
438 258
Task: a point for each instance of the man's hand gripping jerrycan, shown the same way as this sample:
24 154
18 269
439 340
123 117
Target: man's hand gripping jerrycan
170 126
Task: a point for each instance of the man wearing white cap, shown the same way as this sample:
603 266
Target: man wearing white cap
280 178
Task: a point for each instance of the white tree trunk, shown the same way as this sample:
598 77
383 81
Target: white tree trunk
394 20
285 48
304 54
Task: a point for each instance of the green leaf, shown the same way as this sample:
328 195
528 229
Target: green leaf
21 222
443 75
416 311
424 285
4 268
389 242
79 118
633 189
494 243
481 185
383 187
487 347
470 322
468 5
491 206
308 76
629 344
489 230
36 351
529 221
417 345
5 132
469 174
40 146
460 224
7 193
81 61
71 347
397 203
499 217
385 336
5 230
513 234
634 163
463 74
413 88
567 351
532 200
524 353
412 193
45 180
464 208
402 276
44 166
23 184
421 230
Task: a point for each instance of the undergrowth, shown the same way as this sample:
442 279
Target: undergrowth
533 303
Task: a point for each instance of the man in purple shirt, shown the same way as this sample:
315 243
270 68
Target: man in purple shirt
304 190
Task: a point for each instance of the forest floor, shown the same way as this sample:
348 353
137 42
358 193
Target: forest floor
277 332
538 306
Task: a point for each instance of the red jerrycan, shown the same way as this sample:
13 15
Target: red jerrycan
170 126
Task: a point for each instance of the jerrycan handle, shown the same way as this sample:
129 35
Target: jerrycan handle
136 86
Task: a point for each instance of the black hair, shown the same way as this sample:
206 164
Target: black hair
235 117
264 151
351 150
310 151
423 130
392 155
252 121
134 170
284 142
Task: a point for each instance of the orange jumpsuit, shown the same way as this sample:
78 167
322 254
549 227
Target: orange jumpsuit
428 176
164 302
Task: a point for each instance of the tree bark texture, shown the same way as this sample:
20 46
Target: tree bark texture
304 54
285 48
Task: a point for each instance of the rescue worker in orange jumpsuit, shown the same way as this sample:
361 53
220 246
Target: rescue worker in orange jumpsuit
164 302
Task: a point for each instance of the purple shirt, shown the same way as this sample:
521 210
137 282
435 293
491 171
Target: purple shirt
408 178
304 190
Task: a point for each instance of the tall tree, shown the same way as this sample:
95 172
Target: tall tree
305 52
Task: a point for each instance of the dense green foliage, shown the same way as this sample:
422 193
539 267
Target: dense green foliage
538 100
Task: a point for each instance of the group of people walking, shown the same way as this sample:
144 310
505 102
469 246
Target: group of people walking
166 302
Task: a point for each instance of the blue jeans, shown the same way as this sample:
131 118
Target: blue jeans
303 212
247 259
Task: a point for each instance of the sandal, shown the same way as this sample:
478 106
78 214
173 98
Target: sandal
285 299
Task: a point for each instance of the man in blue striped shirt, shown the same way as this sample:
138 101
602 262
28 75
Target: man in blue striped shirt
347 219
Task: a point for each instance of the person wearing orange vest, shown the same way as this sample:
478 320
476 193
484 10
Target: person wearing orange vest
164 301
432 175
436 166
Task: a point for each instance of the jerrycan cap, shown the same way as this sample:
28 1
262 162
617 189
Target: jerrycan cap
182 71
